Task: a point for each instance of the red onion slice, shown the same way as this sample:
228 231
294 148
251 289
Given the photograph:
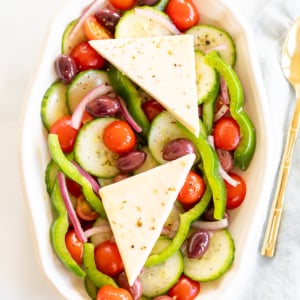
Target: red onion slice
70 209
92 181
211 225
89 10
96 230
128 116
157 17
216 48
224 91
221 112
97 91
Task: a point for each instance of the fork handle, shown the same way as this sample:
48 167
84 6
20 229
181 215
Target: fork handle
269 244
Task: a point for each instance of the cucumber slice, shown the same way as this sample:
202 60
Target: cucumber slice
133 25
90 151
53 105
207 79
163 129
173 219
215 261
149 163
157 280
83 83
208 37
68 44
50 175
98 238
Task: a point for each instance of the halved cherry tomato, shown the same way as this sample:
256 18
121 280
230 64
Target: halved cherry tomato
73 187
192 189
109 292
122 4
66 133
86 57
119 137
183 13
235 194
84 210
108 259
226 134
185 289
86 117
93 30
152 108
74 246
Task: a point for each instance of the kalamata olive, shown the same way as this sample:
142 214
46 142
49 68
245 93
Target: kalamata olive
104 106
197 244
66 68
108 18
147 2
177 148
135 290
226 159
130 161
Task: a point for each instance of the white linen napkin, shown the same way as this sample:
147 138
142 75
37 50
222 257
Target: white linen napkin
278 277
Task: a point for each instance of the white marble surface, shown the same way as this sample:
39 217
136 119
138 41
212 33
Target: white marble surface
23 28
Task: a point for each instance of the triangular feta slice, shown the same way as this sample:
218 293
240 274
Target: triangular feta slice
163 66
138 207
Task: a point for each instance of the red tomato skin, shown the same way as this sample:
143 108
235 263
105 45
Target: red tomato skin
122 4
108 259
184 289
119 137
226 134
66 133
73 187
183 13
109 292
84 210
151 109
192 189
86 57
235 195
74 246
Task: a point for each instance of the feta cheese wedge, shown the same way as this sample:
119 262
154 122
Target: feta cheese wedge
163 66
138 207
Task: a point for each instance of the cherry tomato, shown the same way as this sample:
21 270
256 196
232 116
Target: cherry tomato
84 210
185 289
86 117
226 134
122 4
152 108
192 189
108 292
74 246
73 187
235 194
86 57
66 133
108 259
93 30
119 137
183 13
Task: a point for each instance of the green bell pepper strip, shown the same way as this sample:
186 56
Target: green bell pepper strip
245 150
127 90
72 172
58 230
211 170
98 278
90 287
186 220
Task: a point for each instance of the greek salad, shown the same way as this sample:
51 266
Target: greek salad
148 139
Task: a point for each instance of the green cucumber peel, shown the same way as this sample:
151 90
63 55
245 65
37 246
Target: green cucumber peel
161 5
186 220
98 278
211 170
72 172
246 148
58 231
